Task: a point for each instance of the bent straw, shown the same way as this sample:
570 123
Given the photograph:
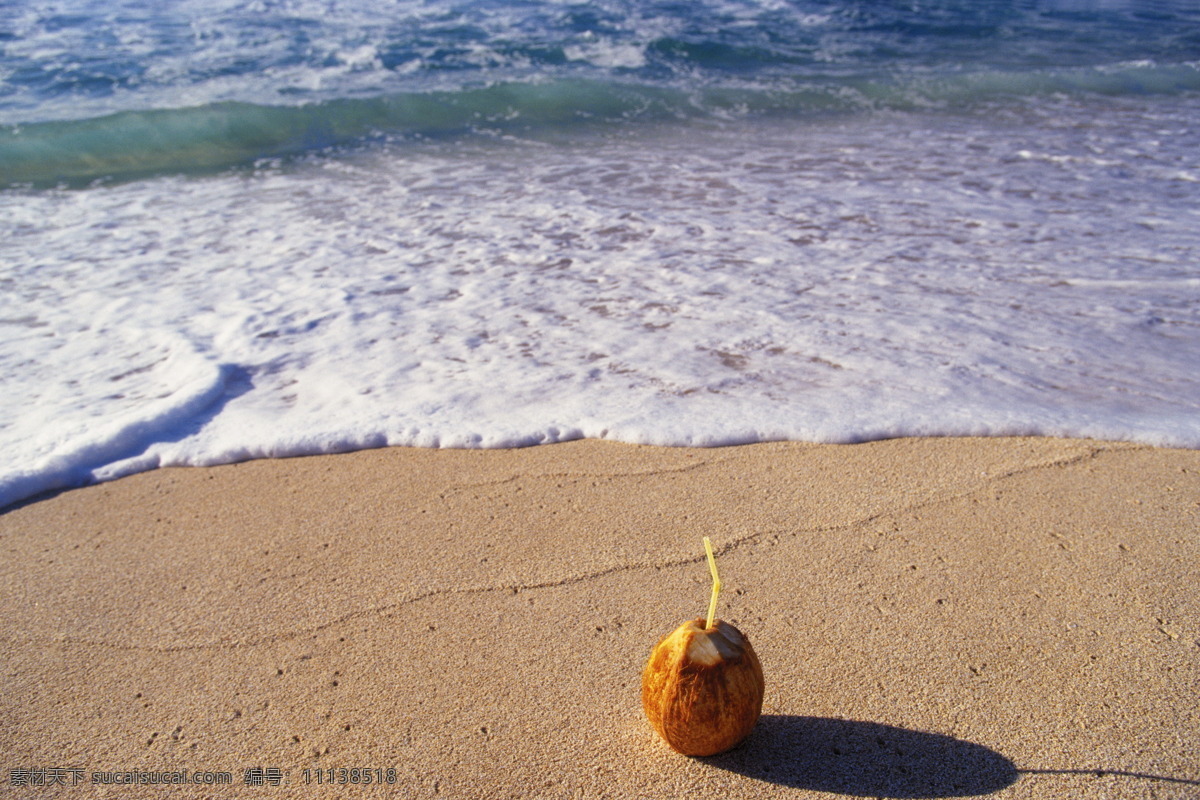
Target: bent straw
712 567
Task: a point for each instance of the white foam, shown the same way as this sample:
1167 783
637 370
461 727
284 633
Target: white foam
605 53
696 286
90 395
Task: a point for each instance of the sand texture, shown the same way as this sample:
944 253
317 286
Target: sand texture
1014 618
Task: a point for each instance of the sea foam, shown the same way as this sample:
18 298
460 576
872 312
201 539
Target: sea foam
695 285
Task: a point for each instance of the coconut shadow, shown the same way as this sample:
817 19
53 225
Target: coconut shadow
865 759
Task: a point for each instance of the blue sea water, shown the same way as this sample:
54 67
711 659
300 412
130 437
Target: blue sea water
238 230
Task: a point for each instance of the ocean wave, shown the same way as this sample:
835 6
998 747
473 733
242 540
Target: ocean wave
706 284
132 144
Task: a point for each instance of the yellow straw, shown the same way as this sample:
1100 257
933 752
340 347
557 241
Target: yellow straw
712 567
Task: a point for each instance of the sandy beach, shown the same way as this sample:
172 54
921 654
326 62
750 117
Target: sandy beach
1013 618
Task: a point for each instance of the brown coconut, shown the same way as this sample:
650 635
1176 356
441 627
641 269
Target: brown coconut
702 689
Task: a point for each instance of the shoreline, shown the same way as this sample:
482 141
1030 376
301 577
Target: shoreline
935 617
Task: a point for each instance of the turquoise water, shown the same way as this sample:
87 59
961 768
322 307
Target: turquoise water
95 90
